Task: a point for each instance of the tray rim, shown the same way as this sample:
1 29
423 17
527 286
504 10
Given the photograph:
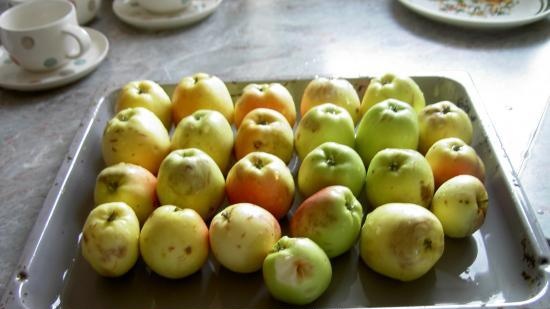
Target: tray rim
527 216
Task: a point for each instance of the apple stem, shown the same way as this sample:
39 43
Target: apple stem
446 109
112 216
456 147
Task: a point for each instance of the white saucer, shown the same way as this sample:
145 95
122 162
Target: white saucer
130 12
13 77
481 14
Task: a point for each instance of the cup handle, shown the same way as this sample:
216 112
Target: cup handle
82 38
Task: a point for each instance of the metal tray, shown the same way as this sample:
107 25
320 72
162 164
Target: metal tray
502 265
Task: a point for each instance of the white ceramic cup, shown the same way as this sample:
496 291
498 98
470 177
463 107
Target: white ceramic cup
43 35
86 10
164 6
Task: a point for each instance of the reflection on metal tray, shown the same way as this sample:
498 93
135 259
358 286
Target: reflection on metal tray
500 265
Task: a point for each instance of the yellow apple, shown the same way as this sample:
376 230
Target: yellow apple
174 242
401 241
110 239
135 135
201 91
209 131
393 86
331 90
147 94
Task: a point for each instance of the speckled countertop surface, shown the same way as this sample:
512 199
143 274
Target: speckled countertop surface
265 39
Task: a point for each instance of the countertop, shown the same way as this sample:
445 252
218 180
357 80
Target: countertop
264 39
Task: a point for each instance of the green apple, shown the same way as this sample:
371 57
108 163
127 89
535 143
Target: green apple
174 242
399 175
297 271
110 239
393 86
128 183
441 120
201 91
331 164
241 236
461 203
135 135
209 131
388 124
147 94
189 178
401 241
331 90
331 218
324 123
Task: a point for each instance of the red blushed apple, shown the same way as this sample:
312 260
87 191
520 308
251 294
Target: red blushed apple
273 96
263 179
451 157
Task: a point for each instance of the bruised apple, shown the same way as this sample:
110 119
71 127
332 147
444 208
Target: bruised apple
174 242
331 90
147 94
110 239
461 203
209 131
201 91
274 96
262 179
331 218
451 157
393 86
241 236
296 271
441 120
399 175
401 241
128 183
135 135
265 130
324 123
189 178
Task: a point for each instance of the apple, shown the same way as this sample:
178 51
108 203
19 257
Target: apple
262 179
331 164
393 86
189 178
110 239
147 94
441 120
324 123
266 130
274 96
128 183
399 175
461 203
174 242
388 124
451 157
201 91
241 236
297 271
209 131
331 90
135 135
331 218
401 241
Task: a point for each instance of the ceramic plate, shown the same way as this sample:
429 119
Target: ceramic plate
13 77
130 12
483 14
